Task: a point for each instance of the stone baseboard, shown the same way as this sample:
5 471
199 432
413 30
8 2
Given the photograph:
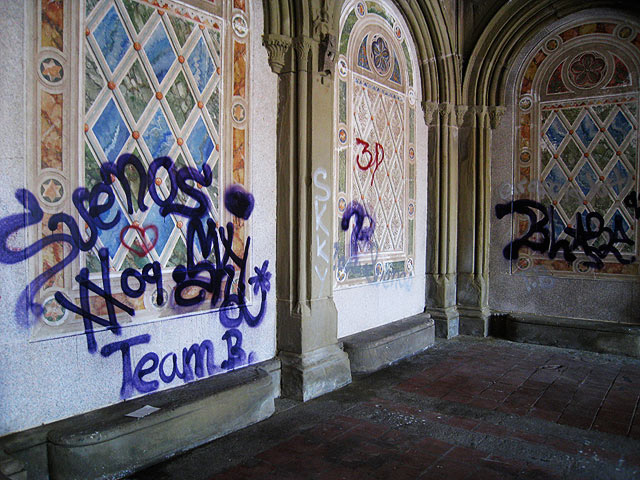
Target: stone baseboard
379 347
591 335
105 443
309 375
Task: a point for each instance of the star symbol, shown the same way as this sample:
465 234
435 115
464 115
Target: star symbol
51 71
51 190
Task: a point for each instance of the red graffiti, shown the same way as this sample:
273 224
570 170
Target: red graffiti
147 244
379 157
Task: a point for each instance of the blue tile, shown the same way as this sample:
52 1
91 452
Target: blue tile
159 52
158 135
199 143
587 130
112 38
619 128
201 65
618 177
612 222
556 133
586 179
165 226
555 180
558 223
111 131
111 238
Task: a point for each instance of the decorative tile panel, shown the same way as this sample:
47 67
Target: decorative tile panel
152 85
375 149
576 140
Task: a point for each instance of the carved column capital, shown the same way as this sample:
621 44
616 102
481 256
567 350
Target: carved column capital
429 109
495 115
461 111
277 47
302 46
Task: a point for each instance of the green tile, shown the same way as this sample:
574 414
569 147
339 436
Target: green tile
346 31
213 106
138 13
342 101
180 99
571 114
179 254
91 169
602 153
182 28
136 90
93 82
571 155
602 111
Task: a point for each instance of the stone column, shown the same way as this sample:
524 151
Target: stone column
313 362
443 120
474 219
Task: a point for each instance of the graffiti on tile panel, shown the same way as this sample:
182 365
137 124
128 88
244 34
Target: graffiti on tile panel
148 234
573 201
375 155
207 277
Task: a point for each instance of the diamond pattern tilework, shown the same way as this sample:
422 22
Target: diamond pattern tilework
602 153
200 144
570 202
603 111
159 52
111 131
555 180
619 128
182 28
138 13
587 130
556 132
571 154
586 178
165 226
180 99
618 177
601 200
108 239
93 81
112 38
136 90
571 114
201 64
158 135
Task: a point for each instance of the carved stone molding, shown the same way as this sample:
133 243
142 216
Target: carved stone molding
302 46
277 47
322 20
495 115
429 109
461 111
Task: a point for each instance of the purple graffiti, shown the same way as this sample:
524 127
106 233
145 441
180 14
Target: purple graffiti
360 233
238 201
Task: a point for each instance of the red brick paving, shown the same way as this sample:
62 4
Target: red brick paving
471 409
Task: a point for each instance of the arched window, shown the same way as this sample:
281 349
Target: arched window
576 145
375 155
152 80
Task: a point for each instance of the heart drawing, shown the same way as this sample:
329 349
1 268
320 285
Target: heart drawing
147 244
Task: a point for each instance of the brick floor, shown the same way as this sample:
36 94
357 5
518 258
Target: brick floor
465 409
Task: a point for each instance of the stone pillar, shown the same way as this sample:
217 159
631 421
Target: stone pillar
313 362
443 120
474 219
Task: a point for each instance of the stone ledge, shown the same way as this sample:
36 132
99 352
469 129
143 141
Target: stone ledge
105 444
580 334
379 347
